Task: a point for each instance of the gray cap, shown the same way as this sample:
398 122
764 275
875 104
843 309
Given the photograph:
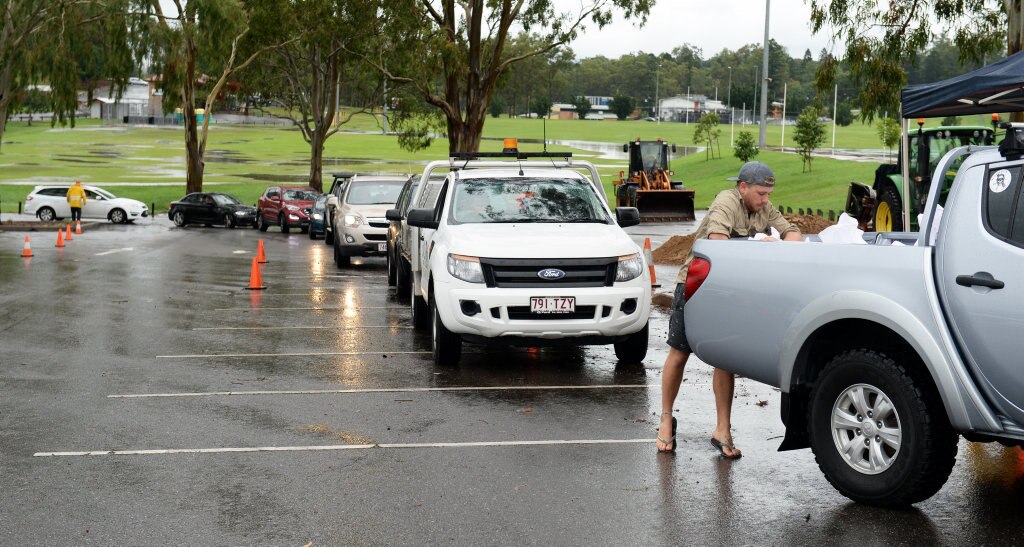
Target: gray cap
755 172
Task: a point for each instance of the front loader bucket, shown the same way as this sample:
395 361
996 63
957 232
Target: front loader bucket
665 205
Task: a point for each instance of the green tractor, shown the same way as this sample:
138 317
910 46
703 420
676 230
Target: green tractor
880 207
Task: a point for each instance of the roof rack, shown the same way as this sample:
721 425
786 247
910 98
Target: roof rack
509 155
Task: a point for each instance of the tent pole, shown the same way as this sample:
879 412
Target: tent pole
905 171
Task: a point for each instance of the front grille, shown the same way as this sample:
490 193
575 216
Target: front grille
378 222
523 313
522 272
375 237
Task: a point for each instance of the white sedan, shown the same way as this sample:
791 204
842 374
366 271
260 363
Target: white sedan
50 203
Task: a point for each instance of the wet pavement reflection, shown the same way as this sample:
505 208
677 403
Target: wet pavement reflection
171 317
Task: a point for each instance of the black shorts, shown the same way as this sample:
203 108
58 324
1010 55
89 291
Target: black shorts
676 325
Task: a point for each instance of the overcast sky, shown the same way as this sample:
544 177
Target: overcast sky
711 25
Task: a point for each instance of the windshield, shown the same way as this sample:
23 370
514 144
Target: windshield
223 199
104 193
320 202
374 192
650 154
526 200
299 195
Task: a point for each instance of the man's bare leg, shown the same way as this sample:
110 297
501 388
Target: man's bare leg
724 385
671 378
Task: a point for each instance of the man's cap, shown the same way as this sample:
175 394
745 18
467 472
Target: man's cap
755 172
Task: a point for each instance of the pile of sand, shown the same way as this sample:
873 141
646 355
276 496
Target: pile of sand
674 250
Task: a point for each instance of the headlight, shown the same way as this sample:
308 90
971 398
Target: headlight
630 267
239 213
293 217
317 216
353 220
291 207
466 268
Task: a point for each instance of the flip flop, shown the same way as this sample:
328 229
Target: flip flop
720 446
671 441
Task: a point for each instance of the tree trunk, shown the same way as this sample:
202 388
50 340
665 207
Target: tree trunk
3 120
316 158
193 154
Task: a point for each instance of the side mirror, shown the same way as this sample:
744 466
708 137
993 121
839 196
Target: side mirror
627 216
393 214
332 201
424 218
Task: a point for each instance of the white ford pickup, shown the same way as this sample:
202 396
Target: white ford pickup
525 252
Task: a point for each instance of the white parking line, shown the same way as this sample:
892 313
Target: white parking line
300 328
318 308
112 251
217 355
313 448
384 390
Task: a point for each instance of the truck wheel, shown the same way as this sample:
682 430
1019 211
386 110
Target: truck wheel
446 344
420 311
634 348
879 437
402 277
889 211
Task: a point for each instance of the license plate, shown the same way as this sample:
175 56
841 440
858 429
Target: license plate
382 247
552 304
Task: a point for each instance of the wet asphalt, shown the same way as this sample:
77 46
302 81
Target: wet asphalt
153 309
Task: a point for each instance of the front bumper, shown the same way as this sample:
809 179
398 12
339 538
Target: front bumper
603 313
138 213
362 240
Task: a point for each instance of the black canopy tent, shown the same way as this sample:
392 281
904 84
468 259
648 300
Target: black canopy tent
998 87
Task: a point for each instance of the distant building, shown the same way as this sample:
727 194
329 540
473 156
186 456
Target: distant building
598 109
688 108
139 98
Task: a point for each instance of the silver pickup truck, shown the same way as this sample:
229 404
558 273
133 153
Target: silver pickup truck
883 352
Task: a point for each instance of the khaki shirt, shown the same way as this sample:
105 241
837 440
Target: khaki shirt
729 217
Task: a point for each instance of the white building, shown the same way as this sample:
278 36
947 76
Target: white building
687 108
134 101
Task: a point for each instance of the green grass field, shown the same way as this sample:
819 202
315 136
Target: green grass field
243 160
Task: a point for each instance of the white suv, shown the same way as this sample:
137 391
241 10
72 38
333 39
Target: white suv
525 253
50 203
360 225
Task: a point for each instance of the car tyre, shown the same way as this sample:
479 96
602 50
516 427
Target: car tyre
341 260
402 277
419 309
860 389
117 216
446 345
261 223
229 220
392 270
179 219
328 236
283 224
46 214
312 234
304 229
634 348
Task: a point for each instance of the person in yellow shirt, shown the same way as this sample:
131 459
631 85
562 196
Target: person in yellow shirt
76 200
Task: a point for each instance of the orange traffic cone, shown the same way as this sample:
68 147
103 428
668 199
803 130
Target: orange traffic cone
60 238
649 257
260 255
255 279
27 253
78 227
67 236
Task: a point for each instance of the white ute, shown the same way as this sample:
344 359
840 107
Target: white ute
525 253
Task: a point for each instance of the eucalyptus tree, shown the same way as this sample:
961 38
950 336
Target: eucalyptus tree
195 48
460 50
307 78
63 43
881 38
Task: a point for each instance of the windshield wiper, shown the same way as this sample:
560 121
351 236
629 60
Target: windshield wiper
584 221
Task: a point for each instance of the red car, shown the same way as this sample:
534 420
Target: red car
285 206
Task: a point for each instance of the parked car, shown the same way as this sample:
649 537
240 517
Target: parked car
337 188
50 203
525 253
884 352
285 206
316 217
359 221
395 219
211 208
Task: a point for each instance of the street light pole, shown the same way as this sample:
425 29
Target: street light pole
763 135
657 102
